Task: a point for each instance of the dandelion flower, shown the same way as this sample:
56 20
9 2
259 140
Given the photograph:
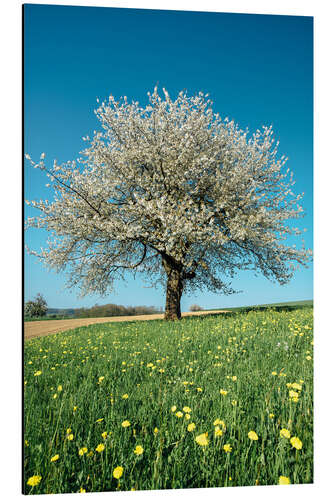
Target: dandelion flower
34 480
82 451
126 423
138 450
155 430
100 379
70 437
296 386
202 439
223 392
100 448
104 435
271 415
253 436
59 389
99 420
179 414
36 374
285 433
118 472
274 373
187 416
234 378
199 389
218 431
296 443
173 408
218 421
284 480
82 490
124 396
191 427
54 458
69 430
75 408
186 409
227 448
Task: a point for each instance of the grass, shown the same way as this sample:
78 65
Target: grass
86 382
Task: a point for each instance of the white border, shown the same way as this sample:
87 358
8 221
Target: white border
10 32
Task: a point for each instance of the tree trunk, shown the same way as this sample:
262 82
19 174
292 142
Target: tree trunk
173 296
174 290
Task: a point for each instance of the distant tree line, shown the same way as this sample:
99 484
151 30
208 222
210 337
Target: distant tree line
114 310
37 309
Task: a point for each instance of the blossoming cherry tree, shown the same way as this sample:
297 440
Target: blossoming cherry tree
173 192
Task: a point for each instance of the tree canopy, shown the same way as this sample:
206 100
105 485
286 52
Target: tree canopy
173 191
35 308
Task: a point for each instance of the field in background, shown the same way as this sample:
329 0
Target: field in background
41 328
154 405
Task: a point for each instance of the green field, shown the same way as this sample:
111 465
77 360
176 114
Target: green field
226 375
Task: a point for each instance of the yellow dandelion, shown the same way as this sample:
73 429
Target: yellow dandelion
284 480
234 378
274 373
199 389
223 392
126 423
296 442
187 416
253 436
82 490
59 389
179 414
104 435
271 415
285 433
100 448
82 451
173 408
124 396
296 386
100 379
186 409
202 439
138 450
118 472
218 421
74 408
69 430
36 374
34 480
218 431
54 458
99 420
70 437
191 427
227 448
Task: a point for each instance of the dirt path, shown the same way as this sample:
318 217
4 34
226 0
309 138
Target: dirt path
41 328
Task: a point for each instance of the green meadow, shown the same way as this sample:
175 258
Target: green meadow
216 401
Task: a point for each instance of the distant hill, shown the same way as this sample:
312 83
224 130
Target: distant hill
279 305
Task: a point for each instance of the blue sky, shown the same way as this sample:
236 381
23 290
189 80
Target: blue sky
257 69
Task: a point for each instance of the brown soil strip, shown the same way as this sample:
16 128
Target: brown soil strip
41 328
